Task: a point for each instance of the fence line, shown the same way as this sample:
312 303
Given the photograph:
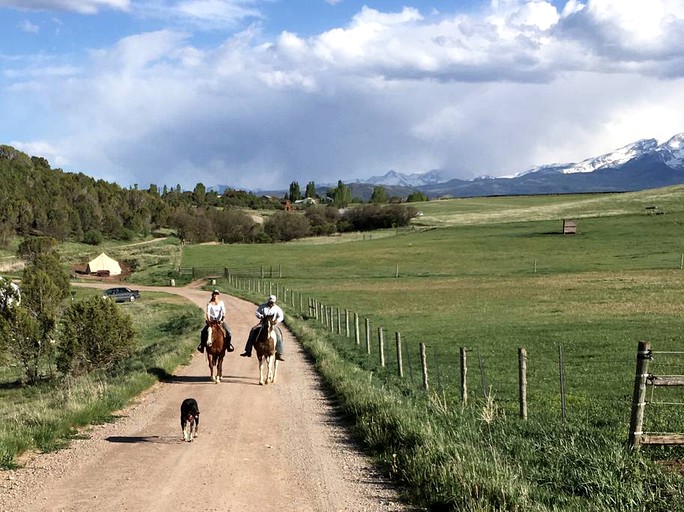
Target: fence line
331 319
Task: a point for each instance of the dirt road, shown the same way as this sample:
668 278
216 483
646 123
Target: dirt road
280 447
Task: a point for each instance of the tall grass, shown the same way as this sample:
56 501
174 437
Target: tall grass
480 459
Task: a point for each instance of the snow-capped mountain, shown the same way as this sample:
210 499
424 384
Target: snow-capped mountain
672 152
641 165
672 155
398 179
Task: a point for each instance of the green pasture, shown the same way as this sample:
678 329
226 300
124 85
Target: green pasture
488 274
491 210
492 275
493 287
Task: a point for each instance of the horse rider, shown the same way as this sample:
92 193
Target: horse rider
216 310
268 308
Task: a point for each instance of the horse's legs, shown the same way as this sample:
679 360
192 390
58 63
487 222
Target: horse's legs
219 369
269 373
275 370
211 366
261 371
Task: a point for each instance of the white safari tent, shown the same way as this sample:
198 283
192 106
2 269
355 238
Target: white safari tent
103 263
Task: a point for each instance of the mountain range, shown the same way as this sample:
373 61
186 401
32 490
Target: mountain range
641 165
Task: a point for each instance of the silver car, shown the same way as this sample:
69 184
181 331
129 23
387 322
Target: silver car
121 294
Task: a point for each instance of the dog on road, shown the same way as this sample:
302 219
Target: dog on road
189 418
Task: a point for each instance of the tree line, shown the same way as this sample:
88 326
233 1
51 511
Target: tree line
36 200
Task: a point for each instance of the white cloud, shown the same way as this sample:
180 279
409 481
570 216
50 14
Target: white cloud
81 6
45 149
205 14
31 28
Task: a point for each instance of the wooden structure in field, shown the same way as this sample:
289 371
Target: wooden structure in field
569 227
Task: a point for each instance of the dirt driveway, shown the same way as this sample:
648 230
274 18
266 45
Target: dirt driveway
280 447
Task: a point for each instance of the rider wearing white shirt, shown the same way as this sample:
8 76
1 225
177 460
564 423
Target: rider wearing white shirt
216 310
268 308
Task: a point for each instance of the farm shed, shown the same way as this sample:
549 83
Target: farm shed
103 264
569 227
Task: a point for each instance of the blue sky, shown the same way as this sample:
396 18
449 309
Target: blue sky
258 93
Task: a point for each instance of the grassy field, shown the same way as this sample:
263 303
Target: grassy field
488 274
495 274
494 287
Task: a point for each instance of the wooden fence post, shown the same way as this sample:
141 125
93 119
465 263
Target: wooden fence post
339 321
381 347
368 336
423 363
346 322
483 376
522 381
636 423
400 365
561 371
464 376
357 335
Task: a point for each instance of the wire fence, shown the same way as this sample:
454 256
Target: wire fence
588 386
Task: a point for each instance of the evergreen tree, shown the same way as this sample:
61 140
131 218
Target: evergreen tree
416 197
294 194
379 196
199 194
96 334
341 195
311 190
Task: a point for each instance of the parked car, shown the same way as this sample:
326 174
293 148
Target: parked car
121 294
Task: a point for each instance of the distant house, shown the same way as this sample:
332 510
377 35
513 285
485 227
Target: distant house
307 201
103 265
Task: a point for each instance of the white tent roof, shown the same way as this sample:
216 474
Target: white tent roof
104 262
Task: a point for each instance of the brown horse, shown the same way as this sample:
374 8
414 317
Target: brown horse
265 346
216 350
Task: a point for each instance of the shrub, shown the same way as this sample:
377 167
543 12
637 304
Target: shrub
95 335
323 219
93 237
285 226
375 216
416 197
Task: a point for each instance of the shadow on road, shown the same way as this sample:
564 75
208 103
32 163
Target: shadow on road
141 439
164 376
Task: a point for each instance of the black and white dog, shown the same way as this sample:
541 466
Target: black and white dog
189 418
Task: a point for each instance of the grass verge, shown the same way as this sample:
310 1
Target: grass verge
477 459
45 417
